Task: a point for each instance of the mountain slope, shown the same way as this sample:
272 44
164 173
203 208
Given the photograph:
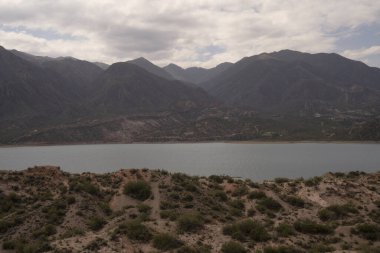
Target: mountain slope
125 87
293 82
102 65
77 74
194 74
31 58
27 90
150 67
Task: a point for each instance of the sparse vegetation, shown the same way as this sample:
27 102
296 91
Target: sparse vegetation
269 203
96 223
138 190
314 181
190 222
285 230
233 247
281 249
166 242
294 201
368 231
246 230
135 230
84 185
312 227
257 195
41 213
334 212
194 249
281 180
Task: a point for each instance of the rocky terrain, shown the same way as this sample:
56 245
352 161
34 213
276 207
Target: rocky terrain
43 209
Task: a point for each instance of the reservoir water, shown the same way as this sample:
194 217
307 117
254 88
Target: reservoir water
255 161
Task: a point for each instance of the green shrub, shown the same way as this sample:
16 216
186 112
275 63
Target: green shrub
169 214
194 249
369 249
294 201
375 215
45 231
313 181
71 199
190 222
96 244
56 212
280 180
368 231
237 203
311 227
166 242
165 205
73 231
269 204
334 212
9 245
135 230
320 248
5 225
187 197
9 202
233 247
35 246
257 195
144 208
353 174
96 223
140 190
247 230
251 212
285 230
216 179
241 190
220 196
281 249
84 185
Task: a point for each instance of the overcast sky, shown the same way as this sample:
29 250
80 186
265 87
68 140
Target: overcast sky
190 32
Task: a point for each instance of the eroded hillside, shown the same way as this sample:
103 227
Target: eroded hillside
44 209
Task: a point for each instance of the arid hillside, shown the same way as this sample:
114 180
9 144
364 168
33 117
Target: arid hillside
44 209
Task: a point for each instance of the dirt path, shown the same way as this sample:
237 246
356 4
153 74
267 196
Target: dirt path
155 203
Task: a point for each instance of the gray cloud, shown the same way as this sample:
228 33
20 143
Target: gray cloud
186 32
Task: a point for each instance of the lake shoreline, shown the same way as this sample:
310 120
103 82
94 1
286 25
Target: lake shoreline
189 142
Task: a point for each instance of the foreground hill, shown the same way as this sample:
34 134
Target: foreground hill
298 83
46 210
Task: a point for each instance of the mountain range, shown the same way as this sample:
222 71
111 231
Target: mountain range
294 82
43 94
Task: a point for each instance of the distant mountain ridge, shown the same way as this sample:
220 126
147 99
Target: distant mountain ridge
195 74
150 67
33 86
77 74
270 95
294 82
127 87
28 90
